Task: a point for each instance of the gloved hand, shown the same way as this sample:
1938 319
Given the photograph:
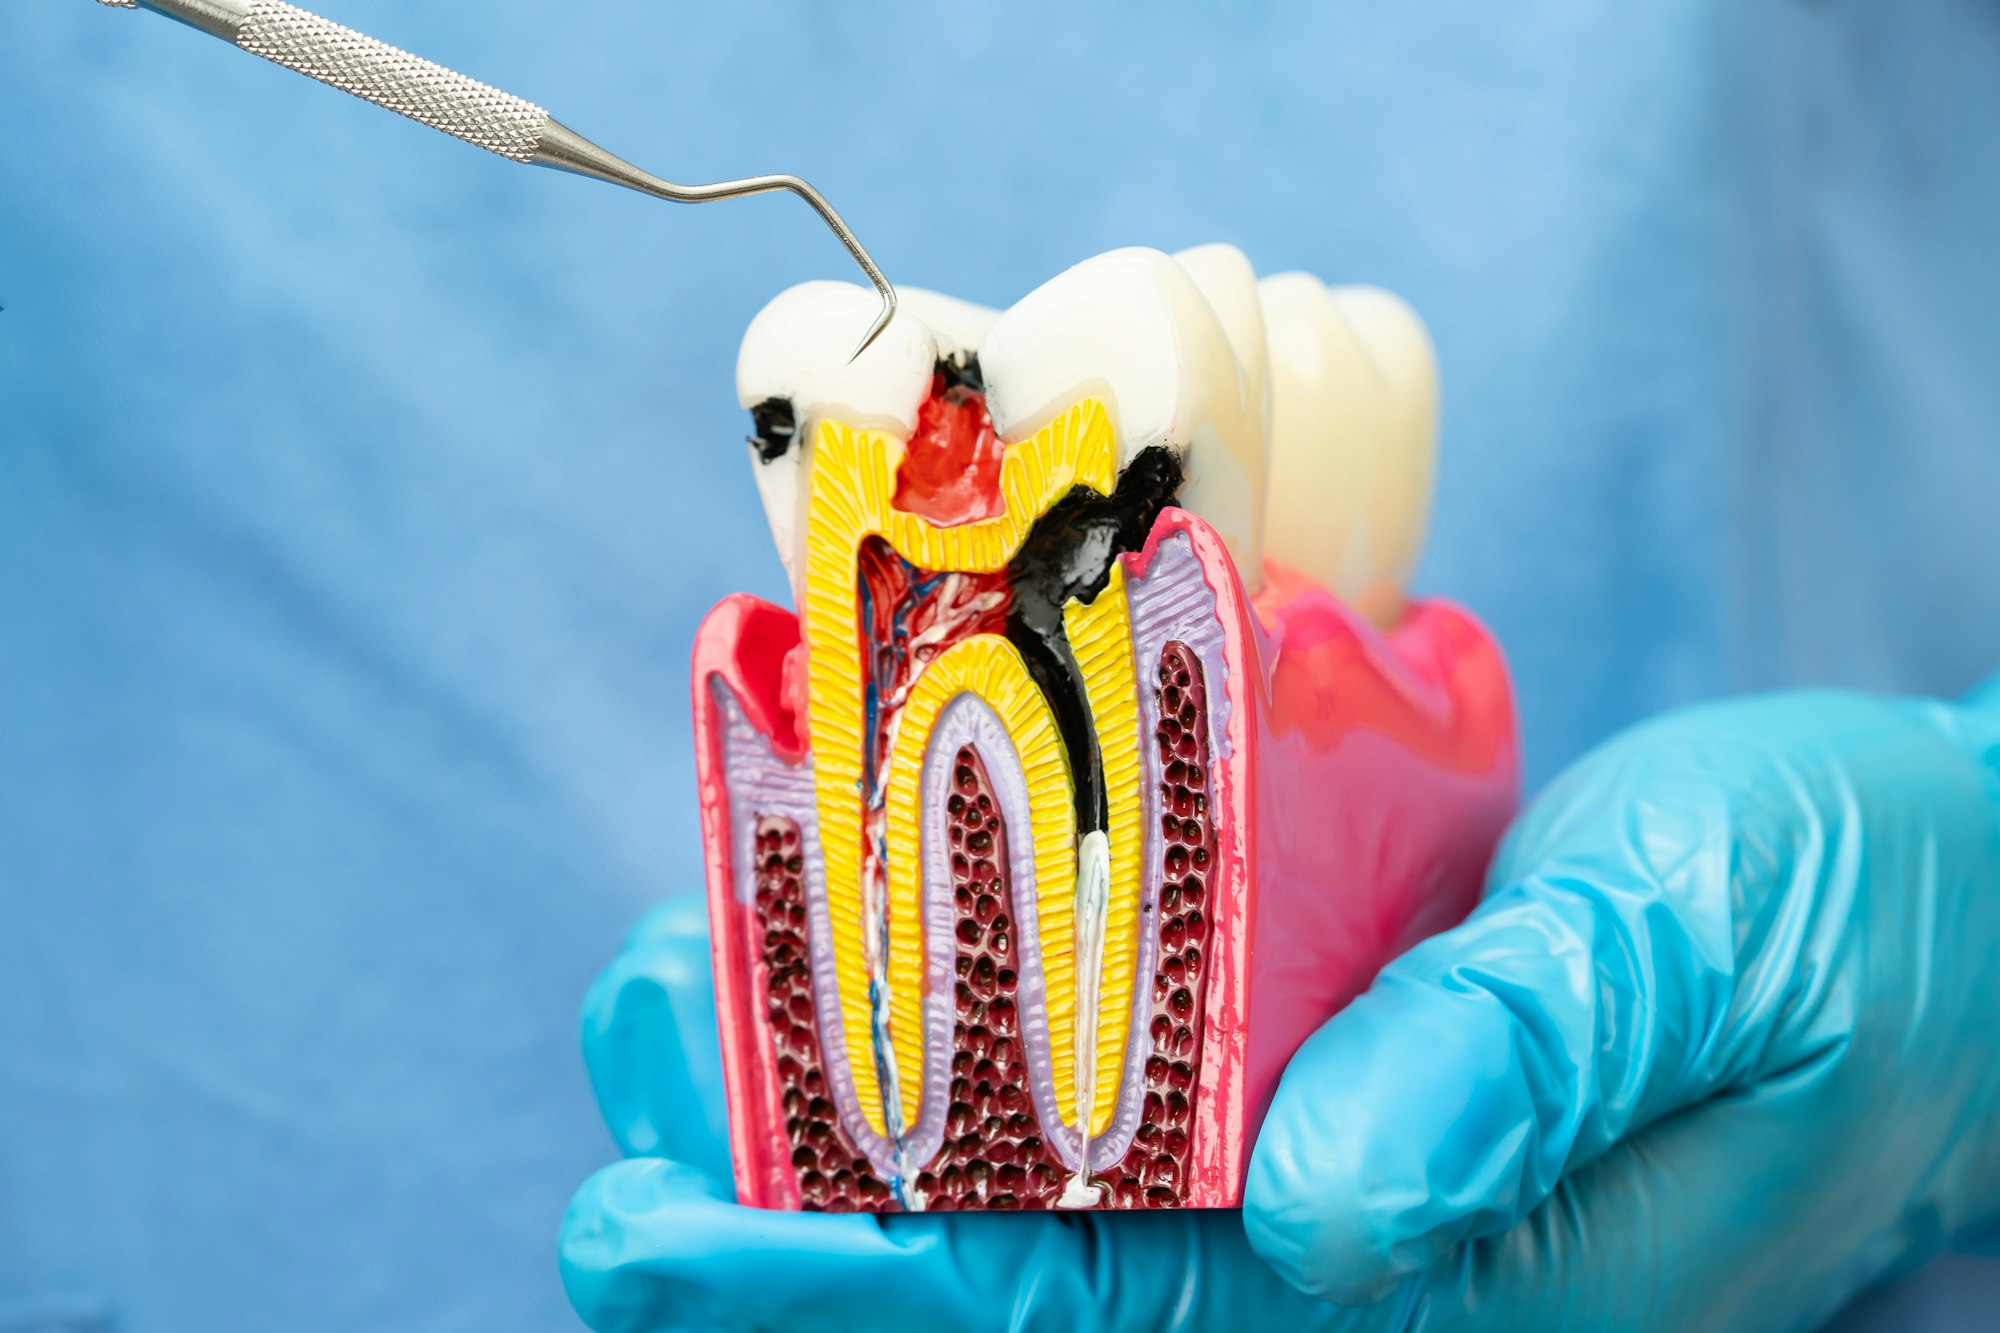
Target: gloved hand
1715 1052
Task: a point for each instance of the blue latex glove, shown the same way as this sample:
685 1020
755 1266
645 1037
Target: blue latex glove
1715 1052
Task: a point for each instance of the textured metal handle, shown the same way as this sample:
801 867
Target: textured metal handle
393 78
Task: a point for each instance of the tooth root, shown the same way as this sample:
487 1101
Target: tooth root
793 364
1134 328
1100 636
1353 438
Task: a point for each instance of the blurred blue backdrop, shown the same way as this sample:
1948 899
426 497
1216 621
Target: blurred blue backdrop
360 493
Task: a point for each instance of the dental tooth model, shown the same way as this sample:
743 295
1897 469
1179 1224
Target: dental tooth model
1104 758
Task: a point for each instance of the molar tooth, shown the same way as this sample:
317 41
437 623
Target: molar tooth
794 360
1133 327
1227 280
1353 438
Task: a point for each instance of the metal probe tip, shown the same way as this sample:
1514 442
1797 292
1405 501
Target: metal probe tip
564 149
861 257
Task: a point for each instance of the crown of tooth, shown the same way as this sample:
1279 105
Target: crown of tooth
1229 283
793 370
958 326
1133 328
1353 435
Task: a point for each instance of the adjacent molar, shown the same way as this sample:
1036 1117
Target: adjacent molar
1225 278
1353 438
1133 328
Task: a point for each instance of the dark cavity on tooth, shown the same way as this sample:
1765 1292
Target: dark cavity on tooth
961 370
1068 554
774 429
774 423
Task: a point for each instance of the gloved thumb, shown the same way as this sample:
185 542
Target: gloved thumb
1645 1085
651 1044
1449 1100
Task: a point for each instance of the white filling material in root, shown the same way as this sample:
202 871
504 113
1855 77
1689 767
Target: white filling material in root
1093 902
875 950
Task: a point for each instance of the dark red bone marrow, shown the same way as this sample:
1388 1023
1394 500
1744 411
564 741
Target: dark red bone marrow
994 1155
1154 1171
832 1176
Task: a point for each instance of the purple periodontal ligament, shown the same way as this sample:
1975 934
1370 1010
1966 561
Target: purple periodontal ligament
1154 1170
832 1176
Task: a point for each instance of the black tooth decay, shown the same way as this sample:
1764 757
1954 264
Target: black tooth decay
961 370
773 429
1068 554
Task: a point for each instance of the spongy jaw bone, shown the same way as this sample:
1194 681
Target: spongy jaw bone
796 350
1353 438
1133 328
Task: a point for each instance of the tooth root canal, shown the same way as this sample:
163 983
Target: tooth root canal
1093 897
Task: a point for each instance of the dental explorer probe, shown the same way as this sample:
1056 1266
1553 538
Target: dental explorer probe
466 109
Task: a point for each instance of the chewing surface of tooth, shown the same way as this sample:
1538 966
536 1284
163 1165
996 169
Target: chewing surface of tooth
1132 327
795 361
958 327
1353 438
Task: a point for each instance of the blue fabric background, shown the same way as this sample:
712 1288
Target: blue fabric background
360 493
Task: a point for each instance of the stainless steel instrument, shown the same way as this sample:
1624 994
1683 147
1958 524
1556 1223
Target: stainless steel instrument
467 109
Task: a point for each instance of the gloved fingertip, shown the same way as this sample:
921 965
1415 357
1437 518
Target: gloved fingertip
1298 1223
1436 1108
651 1044
668 946
1340 1198
620 1223
1986 698
681 919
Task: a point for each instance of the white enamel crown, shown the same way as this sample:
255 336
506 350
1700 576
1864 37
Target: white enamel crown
1303 417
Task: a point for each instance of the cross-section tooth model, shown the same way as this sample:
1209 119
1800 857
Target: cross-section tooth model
1104 757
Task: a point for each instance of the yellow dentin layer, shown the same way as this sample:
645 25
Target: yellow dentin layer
853 479
1100 637
989 667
